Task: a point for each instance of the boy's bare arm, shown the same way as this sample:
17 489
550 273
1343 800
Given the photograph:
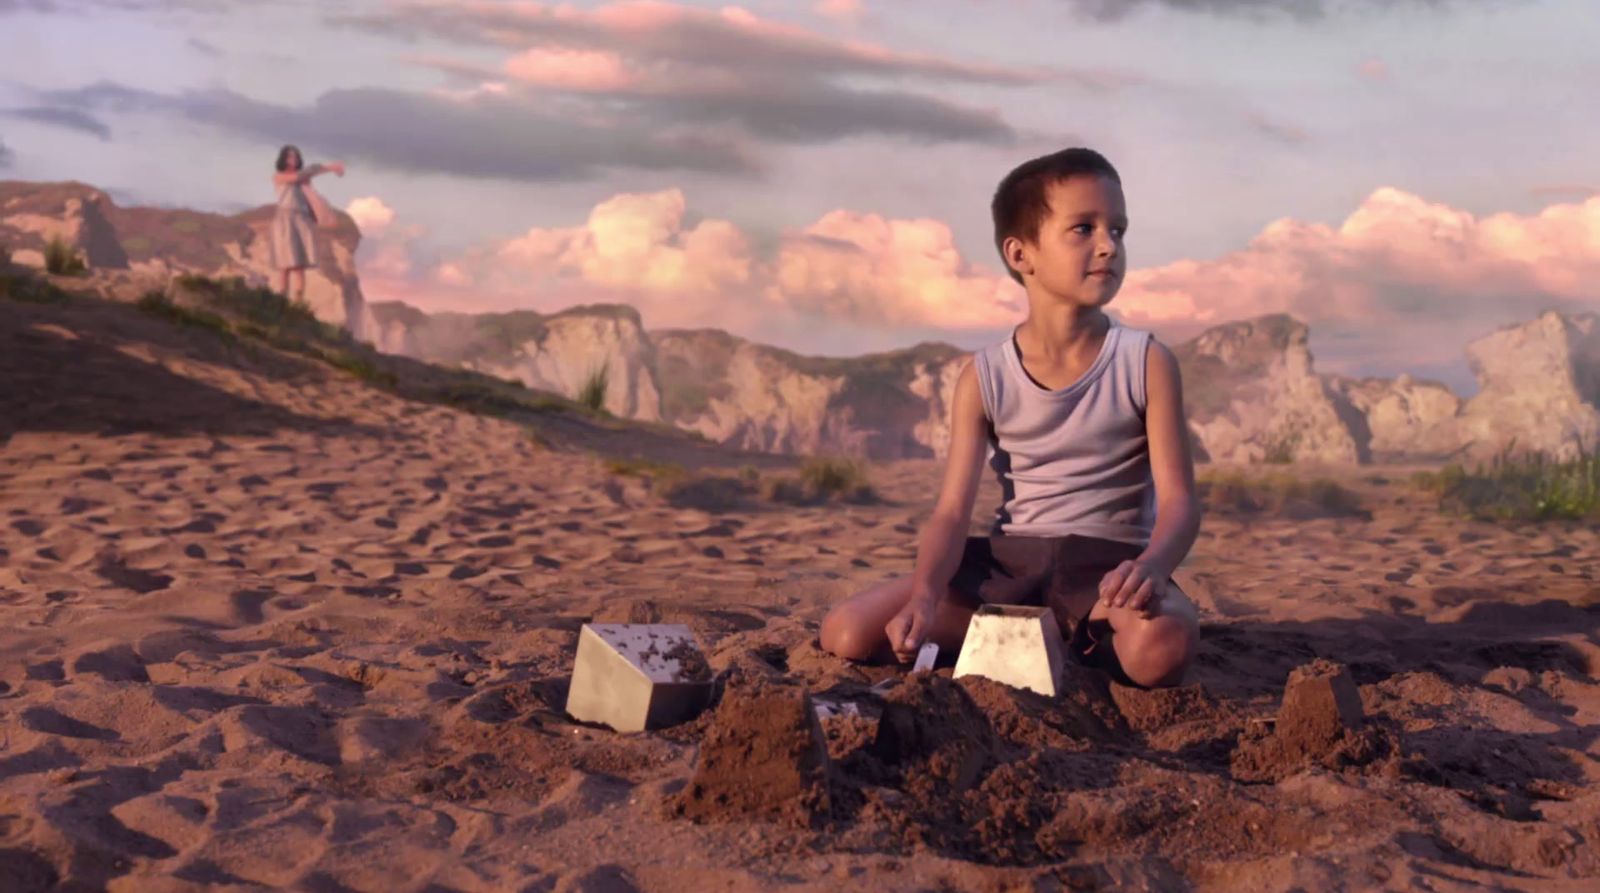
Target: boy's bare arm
940 546
943 537
1172 470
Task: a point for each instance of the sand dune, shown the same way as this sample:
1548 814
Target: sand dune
265 627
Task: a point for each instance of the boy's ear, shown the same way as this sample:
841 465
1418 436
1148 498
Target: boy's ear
1016 256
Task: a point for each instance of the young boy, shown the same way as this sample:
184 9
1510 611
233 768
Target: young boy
1085 421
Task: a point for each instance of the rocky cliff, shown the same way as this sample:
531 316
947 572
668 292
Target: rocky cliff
559 352
883 406
1407 418
1252 395
135 248
1539 389
1252 391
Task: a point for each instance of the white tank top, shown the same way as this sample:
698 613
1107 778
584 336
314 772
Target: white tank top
1074 460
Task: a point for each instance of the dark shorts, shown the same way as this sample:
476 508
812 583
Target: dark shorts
1059 572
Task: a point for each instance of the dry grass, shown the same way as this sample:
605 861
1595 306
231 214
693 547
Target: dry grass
1278 493
823 479
157 304
593 392
61 259
1520 487
19 285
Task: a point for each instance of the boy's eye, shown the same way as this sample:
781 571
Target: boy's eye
1083 229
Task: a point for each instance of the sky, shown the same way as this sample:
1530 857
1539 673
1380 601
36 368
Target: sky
1401 175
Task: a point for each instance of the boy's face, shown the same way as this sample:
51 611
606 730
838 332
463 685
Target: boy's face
1078 254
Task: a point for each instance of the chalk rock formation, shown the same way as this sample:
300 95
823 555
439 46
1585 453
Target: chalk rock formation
882 406
558 352
129 250
78 220
1252 395
1407 417
1539 389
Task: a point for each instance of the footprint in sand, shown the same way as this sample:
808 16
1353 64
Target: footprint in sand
51 722
115 572
24 871
117 663
178 822
302 732
246 604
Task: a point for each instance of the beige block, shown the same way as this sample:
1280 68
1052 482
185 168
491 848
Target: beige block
1017 645
636 676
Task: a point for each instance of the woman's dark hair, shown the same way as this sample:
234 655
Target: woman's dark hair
1021 202
283 157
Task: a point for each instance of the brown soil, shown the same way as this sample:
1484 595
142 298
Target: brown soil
762 756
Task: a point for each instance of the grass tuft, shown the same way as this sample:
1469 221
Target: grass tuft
823 479
61 259
361 367
593 392
19 285
158 305
1520 487
649 469
1278 493
1280 450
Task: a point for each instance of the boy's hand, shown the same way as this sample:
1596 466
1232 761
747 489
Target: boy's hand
909 628
1133 584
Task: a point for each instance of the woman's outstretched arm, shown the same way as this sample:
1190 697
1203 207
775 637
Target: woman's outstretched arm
305 174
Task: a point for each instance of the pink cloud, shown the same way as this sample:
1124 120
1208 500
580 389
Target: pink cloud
867 268
634 247
1373 69
634 241
370 214
849 267
1397 269
571 69
386 253
649 32
843 10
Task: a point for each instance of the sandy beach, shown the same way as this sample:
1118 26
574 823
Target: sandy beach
263 626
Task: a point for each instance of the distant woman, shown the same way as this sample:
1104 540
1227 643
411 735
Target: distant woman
300 208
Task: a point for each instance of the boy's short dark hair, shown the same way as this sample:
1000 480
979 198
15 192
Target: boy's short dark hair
283 157
1020 204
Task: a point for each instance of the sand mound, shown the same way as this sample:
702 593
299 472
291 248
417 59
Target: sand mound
974 767
935 736
763 755
1319 723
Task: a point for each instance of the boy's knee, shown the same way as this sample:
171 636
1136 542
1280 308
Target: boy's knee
1161 651
843 636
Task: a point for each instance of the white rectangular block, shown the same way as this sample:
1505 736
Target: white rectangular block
636 676
1018 645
